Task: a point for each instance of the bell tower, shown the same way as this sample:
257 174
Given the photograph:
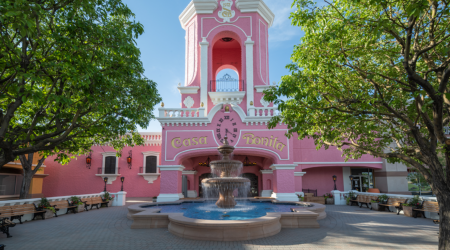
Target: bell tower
226 34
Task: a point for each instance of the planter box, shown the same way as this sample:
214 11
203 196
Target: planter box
330 201
48 214
80 208
407 211
375 206
110 203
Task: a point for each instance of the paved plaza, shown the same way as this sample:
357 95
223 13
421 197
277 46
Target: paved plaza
108 228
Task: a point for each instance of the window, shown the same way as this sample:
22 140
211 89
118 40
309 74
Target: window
150 164
10 184
110 165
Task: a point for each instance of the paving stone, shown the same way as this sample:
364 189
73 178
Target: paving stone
345 227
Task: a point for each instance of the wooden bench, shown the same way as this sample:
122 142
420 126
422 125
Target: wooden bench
58 205
427 206
94 201
100 201
309 197
21 210
364 199
394 202
355 200
5 212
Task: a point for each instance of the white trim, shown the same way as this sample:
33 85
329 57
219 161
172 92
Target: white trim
169 197
261 88
285 196
150 177
171 167
106 154
299 173
227 97
263 79
189 172
111 177
266 171
249 70
266 193
283 166
332 163
251 26
197 7
150 153
258 6
204 74
188 89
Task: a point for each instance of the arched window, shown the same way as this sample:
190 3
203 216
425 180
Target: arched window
227 80
110 165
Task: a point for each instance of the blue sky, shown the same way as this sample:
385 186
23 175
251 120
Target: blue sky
163 45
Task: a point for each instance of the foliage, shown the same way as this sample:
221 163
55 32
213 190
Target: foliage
372 77
107 196
328 195
418 179
76 200
383 198
373 201
413 202
44 203
70 76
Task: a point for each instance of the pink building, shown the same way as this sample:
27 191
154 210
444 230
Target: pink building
224 34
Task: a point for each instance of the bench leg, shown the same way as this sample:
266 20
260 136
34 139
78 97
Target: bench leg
18 217
5 230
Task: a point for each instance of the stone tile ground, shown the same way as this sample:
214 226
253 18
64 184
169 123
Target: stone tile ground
108 228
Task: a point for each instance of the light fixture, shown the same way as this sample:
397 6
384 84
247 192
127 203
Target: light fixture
88 160
129 159
334 179
105 180
248 163
122 179
227 39
205 164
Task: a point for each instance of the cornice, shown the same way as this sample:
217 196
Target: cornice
261 88
258 6
197 7
189 90
283 166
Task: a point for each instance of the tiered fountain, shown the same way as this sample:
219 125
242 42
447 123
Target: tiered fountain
227 181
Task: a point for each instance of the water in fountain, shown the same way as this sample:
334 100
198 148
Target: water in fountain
227 184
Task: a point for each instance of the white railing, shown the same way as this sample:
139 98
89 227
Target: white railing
263 111
181 112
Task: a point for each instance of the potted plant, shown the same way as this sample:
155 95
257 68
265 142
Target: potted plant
350 196
108 197
154 199
383 198
329 199
412 203
76 201
44 205
375 205
300 197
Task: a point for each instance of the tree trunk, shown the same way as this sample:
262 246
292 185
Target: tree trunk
26 182
444 222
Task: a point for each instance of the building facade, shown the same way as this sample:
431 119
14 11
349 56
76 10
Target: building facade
225 34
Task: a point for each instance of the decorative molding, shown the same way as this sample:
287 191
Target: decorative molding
227 97
106 154
188 90
171 167
189 102
150 177
144 163
197 7
258 6
249 70
283 166
299 173
189 172
169 197
264 102
266 171
226 13
334 163
261 88
111 177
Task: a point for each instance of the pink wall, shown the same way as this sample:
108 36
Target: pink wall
322 179
285 182
267 181
173 183
74 178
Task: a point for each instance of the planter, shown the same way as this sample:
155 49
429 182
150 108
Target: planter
80 208
375 206
330 201
48 214
110 203
407 211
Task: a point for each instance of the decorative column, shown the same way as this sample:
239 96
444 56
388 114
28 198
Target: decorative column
204 74
249 71
267 176
170 187
299 183
284 182
190 174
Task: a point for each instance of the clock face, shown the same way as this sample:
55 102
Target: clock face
227 126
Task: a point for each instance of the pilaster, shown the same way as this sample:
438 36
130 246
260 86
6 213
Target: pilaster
170 187
249 71
204 74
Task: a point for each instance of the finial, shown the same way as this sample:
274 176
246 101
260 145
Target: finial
225 141
162 104
179 84
251 103
202 105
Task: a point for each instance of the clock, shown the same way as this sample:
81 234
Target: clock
227 126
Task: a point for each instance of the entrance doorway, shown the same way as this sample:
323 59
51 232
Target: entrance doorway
253 184
362 179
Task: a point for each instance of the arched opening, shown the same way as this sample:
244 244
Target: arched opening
227 55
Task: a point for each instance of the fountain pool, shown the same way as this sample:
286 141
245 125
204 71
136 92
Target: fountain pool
242 210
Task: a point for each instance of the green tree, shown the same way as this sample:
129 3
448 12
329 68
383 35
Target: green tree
372 77
418 180
70 76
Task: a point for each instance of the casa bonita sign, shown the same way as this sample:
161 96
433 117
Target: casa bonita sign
181 141
226 13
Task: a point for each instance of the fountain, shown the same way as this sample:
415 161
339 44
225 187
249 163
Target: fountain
227 181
